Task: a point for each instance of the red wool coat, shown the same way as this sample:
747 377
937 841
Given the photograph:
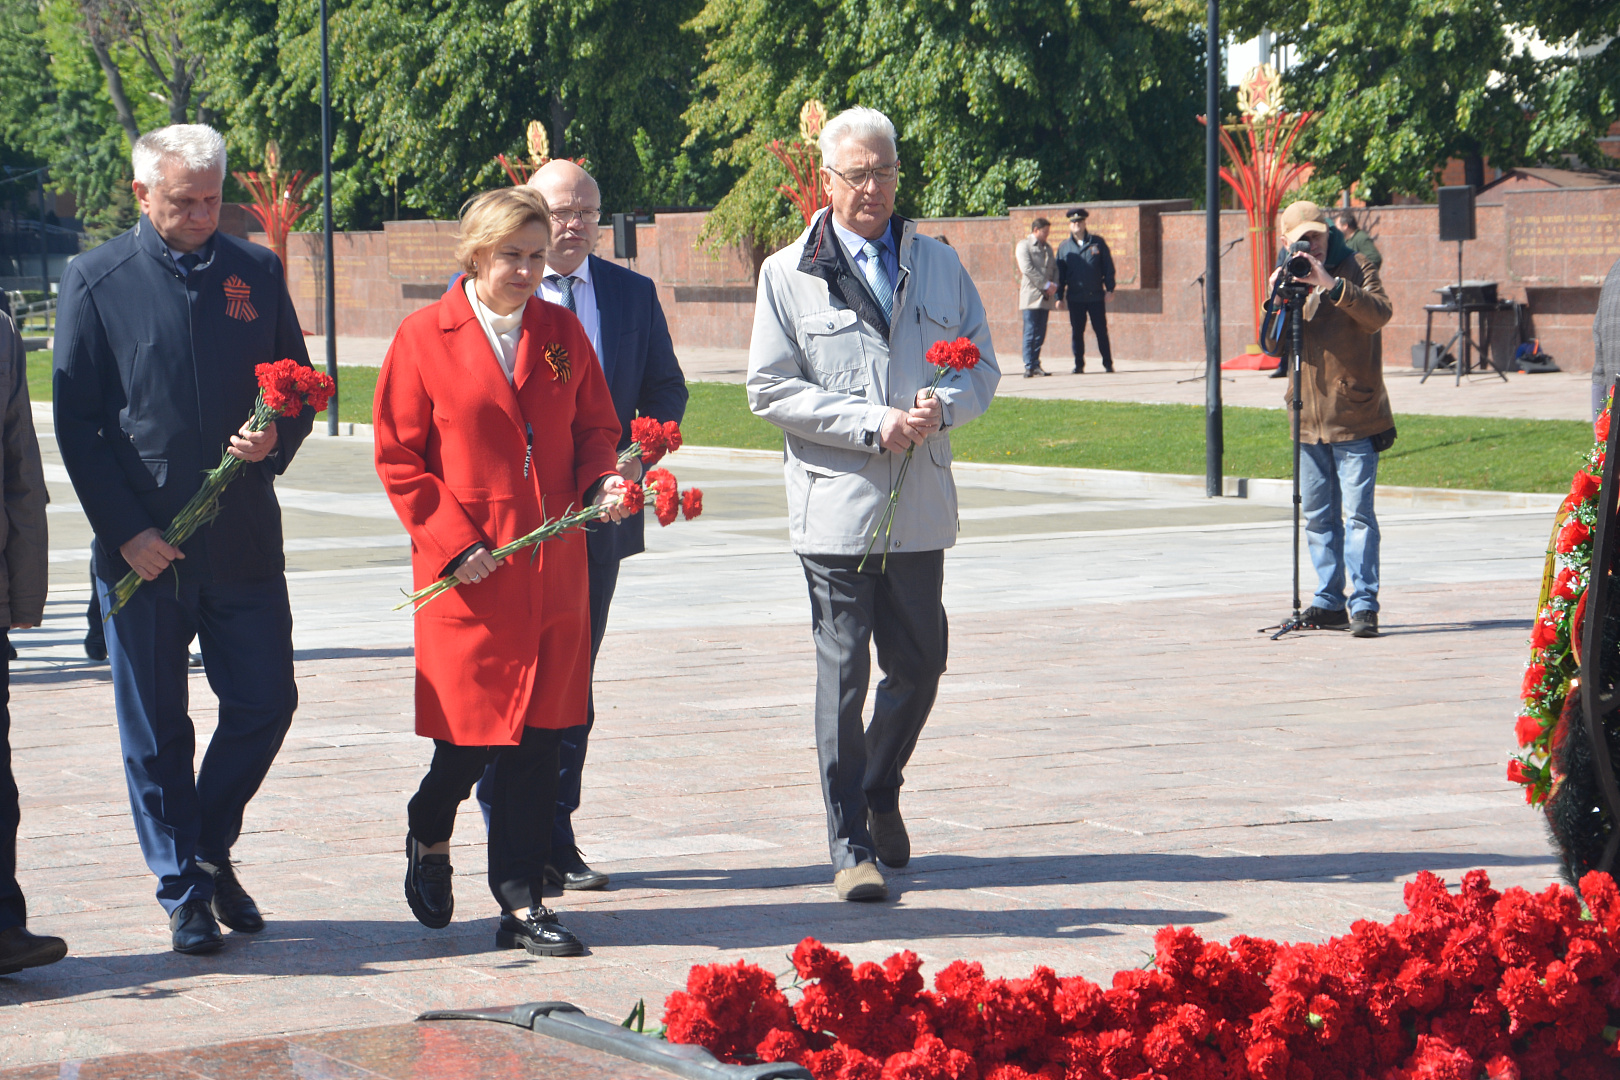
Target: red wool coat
514 649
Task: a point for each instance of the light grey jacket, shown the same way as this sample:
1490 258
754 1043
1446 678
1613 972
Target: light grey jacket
1037 265
823 373
23 547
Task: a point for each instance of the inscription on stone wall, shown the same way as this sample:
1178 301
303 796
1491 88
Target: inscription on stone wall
1564 238
421 255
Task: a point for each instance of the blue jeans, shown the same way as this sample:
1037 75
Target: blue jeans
1034 336
1336 487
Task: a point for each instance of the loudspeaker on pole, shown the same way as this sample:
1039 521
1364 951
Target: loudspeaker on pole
1457 212
624 236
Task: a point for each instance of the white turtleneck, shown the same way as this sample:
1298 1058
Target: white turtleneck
503 331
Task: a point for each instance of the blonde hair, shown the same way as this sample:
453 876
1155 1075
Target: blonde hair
489 218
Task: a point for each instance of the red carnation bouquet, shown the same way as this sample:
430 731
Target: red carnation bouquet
1474 984
285 388
650 440
1555 662
946 356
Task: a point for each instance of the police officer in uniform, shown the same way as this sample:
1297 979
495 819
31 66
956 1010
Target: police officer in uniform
1085 273
159 332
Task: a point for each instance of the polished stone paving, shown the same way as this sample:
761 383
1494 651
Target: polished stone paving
1115 748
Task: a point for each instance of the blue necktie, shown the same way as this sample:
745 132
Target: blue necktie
188 262
566 284
878 278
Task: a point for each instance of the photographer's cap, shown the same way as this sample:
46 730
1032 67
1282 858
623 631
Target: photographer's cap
1079 213
1303 217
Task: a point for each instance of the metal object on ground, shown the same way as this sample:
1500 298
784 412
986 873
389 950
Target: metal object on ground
561 1020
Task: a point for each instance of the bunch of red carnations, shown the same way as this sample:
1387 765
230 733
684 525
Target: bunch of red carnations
1555 661
650 440
1472 985
286 388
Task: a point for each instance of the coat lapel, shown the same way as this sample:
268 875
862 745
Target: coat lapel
471 348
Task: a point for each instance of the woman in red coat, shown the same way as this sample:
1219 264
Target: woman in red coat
491 415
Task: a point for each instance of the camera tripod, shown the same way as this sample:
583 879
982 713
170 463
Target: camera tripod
1292 297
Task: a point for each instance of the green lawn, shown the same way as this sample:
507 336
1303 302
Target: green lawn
1432 451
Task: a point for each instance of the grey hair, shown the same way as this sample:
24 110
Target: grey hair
196 147
856 123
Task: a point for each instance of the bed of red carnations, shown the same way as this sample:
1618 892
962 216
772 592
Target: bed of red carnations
1465 985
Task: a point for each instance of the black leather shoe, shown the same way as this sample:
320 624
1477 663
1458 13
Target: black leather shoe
567 869
540 933
194 929
19 949
95 648
1079 371
231 904
889 838
427 886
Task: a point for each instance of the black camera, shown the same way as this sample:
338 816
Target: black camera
1298 265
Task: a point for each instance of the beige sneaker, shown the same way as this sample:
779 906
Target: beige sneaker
863 881
889 837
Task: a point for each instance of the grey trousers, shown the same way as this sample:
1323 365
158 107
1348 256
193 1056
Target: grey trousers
862 766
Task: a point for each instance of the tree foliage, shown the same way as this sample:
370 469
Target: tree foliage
1403 86
995 102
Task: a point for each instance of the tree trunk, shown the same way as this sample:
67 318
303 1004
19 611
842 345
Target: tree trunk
561 117
115 88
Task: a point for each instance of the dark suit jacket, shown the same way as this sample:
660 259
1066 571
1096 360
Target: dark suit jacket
643 375
153 375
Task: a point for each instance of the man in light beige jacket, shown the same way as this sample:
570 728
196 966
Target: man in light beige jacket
1037 291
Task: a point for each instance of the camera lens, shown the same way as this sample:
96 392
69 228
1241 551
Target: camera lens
1299 266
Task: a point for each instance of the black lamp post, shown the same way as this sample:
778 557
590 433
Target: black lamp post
1213 438
326 198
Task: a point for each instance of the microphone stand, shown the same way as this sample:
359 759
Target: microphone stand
1203 305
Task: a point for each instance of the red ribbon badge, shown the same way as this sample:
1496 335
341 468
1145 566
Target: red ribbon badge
239 299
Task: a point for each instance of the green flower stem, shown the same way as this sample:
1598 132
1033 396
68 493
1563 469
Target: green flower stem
885 525
547 531
202 507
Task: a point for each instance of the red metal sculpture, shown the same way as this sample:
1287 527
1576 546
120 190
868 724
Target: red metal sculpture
1262 171
807 192
277 199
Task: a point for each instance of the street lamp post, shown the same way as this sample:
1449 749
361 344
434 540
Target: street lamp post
1213 437
326 198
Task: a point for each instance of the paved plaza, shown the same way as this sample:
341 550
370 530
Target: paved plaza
1115 748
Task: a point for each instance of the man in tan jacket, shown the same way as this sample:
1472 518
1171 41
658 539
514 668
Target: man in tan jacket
1037 291
22 604
1344 421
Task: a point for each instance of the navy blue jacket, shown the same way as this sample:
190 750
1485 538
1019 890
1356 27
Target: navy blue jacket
153 374
643 375
1084 270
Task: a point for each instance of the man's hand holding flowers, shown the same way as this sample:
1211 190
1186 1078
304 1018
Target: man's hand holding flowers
610 496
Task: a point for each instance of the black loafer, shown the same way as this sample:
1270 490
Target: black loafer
194 929
231 904
427 886
19 949
567 869
540 933
95 649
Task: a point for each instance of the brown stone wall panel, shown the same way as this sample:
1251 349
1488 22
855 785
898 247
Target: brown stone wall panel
1563 237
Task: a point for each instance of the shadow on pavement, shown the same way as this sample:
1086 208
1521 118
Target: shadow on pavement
947 872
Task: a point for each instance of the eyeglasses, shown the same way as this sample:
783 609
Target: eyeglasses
883 174
576 217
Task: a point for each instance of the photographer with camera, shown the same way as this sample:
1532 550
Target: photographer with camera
1344 420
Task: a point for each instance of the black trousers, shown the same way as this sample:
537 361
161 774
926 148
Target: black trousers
13 909
1098 312
604 576
901 611
522 793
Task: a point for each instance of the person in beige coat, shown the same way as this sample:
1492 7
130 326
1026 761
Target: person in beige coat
1037 291
838 360
1344 422
22 604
